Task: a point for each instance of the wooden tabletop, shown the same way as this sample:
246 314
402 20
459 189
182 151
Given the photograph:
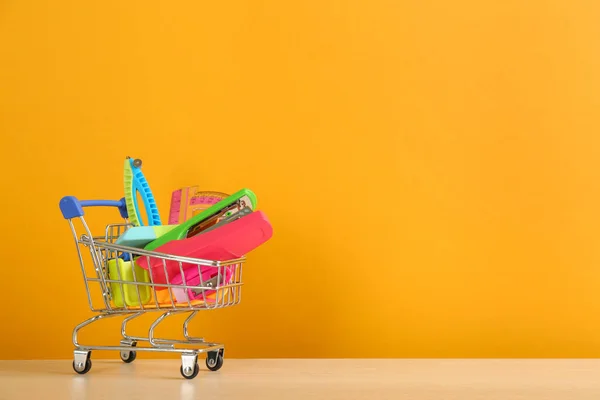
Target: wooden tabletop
307 379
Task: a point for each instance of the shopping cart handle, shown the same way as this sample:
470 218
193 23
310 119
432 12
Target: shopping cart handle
72 208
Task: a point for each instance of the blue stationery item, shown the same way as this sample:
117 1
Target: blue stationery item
135 183
139 236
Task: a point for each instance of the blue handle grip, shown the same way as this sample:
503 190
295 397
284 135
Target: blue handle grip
100 203
72 208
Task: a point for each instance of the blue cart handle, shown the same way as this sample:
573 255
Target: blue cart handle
72 208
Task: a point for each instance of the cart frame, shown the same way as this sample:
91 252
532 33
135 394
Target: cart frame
218 292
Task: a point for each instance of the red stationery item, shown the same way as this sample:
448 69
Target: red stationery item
230 241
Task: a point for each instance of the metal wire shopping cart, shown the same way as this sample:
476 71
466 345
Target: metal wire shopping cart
114 291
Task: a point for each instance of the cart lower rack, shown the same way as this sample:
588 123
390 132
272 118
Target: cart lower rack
116 286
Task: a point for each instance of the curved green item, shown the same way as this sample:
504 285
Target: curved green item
181 231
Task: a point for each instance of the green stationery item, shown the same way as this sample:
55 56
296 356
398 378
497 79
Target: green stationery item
207 218
119 270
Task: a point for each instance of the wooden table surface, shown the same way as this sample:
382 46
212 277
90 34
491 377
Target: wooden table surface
307 379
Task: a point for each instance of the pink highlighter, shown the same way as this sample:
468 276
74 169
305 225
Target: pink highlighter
227 242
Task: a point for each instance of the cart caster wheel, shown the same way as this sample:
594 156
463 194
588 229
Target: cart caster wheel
214 362
188 373
81 368
128 356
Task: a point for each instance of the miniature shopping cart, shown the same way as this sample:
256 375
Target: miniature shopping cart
114 291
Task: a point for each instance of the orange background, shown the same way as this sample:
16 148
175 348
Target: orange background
431 168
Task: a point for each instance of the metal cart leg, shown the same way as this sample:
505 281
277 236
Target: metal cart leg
185 329
214 359
128 356
124 327
82 361
86 323
160 319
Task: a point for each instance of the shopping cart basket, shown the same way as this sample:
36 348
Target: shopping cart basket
115 292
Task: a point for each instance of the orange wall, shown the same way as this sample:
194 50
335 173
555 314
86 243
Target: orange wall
431 168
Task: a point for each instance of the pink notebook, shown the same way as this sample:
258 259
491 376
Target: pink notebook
230 241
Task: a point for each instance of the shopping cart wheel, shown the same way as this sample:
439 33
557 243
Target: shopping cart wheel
82 362
128 356
189 373
82 367
189 365
214 360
